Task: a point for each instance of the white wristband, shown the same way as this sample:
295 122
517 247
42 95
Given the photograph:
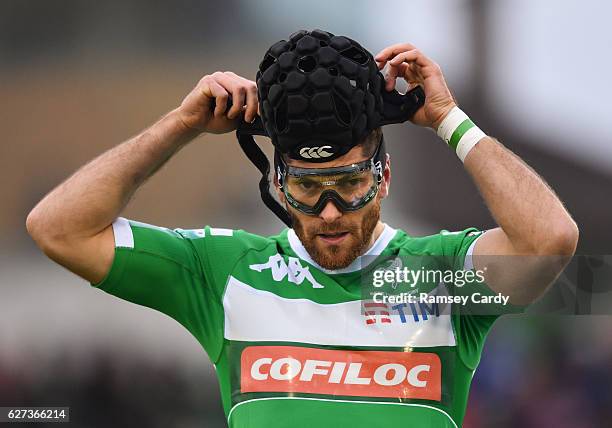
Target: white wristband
459 132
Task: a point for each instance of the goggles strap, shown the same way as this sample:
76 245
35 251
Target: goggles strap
380 159
279 168
259 159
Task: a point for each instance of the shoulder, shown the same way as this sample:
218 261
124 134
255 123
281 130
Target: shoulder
443 243
219 241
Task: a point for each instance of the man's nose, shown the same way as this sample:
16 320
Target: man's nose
330 213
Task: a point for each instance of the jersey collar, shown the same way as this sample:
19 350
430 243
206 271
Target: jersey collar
359 263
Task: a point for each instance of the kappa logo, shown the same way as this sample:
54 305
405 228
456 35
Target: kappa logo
294 271
315 152
290 369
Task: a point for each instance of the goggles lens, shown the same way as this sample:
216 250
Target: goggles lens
350 187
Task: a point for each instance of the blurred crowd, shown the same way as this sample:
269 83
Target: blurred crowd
541 372
116 391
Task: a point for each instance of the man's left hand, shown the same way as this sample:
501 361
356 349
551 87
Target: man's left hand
408 62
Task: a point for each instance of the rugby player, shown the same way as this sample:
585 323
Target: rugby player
281 317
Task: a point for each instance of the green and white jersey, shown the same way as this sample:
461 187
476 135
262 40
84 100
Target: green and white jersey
289 339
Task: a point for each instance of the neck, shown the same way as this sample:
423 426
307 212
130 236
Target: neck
375 235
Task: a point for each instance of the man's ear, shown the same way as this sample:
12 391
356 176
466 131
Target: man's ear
383 191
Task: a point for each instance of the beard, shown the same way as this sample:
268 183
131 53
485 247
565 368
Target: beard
339 256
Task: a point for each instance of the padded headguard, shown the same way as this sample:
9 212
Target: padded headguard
320 95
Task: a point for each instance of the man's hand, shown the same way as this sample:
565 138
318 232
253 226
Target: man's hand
196 111
406 61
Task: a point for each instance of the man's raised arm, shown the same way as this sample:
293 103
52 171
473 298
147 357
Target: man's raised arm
73 223
537 236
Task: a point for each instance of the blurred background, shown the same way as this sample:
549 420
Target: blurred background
79 76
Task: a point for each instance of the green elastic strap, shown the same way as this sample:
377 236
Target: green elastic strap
466 125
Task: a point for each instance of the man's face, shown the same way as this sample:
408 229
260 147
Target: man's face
333 238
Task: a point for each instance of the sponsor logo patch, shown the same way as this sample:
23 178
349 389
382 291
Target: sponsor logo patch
383 314
376 312
293 271
289 369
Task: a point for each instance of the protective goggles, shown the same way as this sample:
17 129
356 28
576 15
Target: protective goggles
349 187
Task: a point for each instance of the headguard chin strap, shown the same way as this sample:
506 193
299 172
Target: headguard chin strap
250 148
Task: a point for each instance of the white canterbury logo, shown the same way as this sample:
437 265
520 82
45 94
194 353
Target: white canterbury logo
315 152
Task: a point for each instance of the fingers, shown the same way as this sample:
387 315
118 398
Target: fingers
252 102
402 52
238 99
392 74
409 71
220 95
406 61
391 51
243 92
231 86
415 56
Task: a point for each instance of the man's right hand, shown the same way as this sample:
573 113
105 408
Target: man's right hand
204 109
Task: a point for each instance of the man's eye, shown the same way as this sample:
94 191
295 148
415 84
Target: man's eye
352 182
307 185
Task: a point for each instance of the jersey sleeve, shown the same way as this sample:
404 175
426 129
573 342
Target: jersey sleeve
472 322
162 269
